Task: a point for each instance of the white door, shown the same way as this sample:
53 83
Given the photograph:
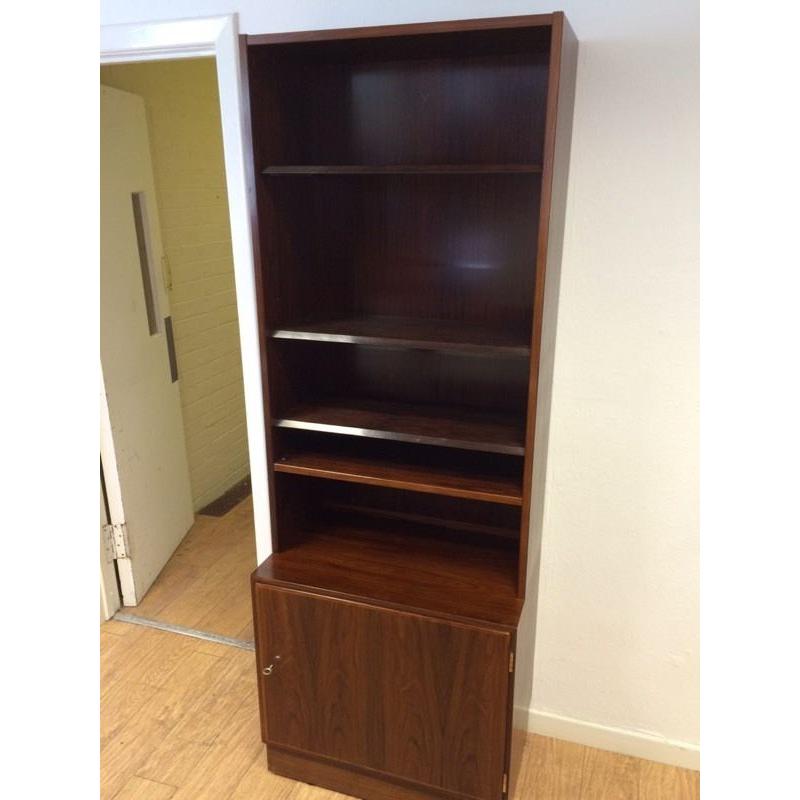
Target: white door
142 441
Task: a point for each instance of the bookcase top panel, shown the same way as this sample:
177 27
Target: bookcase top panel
522 23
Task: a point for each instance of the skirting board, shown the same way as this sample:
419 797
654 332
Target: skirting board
603 737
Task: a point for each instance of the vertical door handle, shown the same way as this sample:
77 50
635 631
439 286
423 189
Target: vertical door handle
173 360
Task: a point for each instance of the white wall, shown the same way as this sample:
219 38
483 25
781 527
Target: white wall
617 658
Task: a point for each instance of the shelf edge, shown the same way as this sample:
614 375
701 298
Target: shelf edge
422 488
399 169
370 433
289 334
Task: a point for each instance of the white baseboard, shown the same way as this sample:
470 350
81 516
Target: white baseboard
603 737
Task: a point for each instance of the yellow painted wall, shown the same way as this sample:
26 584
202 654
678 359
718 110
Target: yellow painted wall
182 104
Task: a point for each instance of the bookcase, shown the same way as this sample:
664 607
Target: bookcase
409 184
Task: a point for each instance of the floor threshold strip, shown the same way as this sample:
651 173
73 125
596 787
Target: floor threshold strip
242 644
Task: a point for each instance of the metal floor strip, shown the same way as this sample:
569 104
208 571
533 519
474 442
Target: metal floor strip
242 644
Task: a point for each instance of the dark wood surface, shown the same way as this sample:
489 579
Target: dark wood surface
445 382
458 248
315 500
409 182
431 334
417 101
455 576
399 169
446 487
413 29
450 482
558 138
431 425
351 780
401 694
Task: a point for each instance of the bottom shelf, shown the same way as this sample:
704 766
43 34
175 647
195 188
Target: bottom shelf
419 567
431 478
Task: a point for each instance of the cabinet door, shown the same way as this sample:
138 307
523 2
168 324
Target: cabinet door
407 695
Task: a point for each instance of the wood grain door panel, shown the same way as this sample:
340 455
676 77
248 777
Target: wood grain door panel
409 696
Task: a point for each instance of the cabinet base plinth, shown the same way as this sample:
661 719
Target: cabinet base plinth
339 777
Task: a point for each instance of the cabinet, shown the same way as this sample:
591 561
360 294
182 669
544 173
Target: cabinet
395 693
409 194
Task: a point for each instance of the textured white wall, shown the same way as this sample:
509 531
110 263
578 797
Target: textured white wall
618 616
617 641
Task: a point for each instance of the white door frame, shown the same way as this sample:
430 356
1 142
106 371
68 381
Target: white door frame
217 37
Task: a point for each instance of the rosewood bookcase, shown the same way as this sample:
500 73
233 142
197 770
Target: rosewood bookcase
409 188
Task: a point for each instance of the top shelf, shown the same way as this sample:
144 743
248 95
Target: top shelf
401 169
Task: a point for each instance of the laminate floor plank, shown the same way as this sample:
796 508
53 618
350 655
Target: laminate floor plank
551 770
125 752
246 633
117 628
119 704
664 782
156 658
221 770
609 776
141 789
259 782
214 648
232 687
206 583
137 716
173 761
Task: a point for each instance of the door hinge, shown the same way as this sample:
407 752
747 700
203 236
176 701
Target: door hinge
505 782
115 541
511 661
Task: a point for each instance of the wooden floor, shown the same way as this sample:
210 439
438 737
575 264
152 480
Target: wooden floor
179 721
206 583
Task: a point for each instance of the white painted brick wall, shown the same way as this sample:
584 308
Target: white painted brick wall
186 142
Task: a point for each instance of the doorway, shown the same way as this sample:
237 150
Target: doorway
171 360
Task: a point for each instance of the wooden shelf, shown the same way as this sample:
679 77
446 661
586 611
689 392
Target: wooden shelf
400 169
410 476
433 425
416 567
411 333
